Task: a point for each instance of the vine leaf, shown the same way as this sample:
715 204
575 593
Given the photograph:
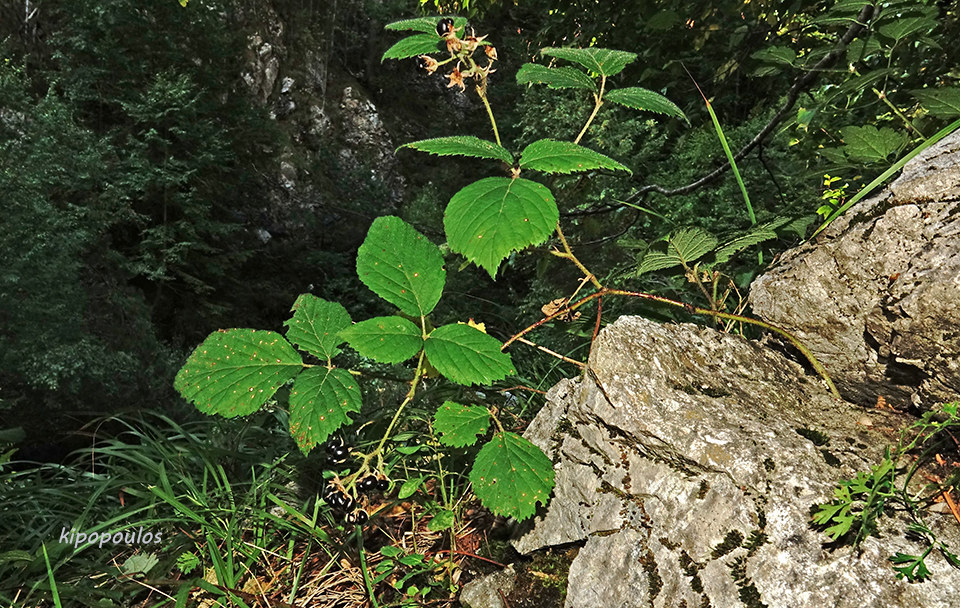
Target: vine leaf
401 266
682 247
413 46
384 339
462 145
495 216
867 143
511 475
466 355
563 77
316 324
459 425
606 62
423 24
551 156
320 400
943 102
645 99
234 371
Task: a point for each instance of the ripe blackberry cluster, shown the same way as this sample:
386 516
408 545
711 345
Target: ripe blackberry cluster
345 506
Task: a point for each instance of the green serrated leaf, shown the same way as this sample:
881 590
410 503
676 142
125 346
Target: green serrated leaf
943 102
234 371
315 326
682 247
320 400
606 62
551 156
782 55
462 145
903 27
401 266
644 99
870 144
564 77
409 487
459 425
385 339
467 355
511 476
493 217
413 46
139 563
441 521
739 243
423 24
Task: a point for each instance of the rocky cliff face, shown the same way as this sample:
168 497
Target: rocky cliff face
693 484
877 295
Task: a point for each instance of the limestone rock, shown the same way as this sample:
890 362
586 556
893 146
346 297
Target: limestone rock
485 592
693 485
877 295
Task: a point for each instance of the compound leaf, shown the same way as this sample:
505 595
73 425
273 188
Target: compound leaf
490 218
234 371
384 339
467 355
943 102
462 145
459 425
563 77
912 567
870 144
401 266
316 324
683 247
606 62
551 156
423 24
413 46
320 400
511 475
645 99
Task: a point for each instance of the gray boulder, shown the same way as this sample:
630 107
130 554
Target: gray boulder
876 296
693 484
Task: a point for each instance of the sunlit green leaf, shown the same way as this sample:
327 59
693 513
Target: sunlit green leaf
606 62
643 99
462 145
459 425
413 46
867 143
511 476
552 156
315 326
493 217
943 102
385 339
685 246
234 371
423 24
564 77
467 355
401 266
320 400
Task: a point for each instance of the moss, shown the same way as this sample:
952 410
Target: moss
731 541
749 594
654 583
704 488
691 569
756 540
669 544
817 437
769 465
831 460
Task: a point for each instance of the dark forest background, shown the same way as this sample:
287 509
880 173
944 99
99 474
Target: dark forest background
157 183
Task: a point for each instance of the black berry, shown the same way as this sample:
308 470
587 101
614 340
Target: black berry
368 484
444 26
361 516
383 485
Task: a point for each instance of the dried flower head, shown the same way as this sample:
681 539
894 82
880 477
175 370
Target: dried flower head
456 79
491 52
428 63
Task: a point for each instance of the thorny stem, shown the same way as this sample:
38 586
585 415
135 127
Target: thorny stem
568 254
605 291
598 98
